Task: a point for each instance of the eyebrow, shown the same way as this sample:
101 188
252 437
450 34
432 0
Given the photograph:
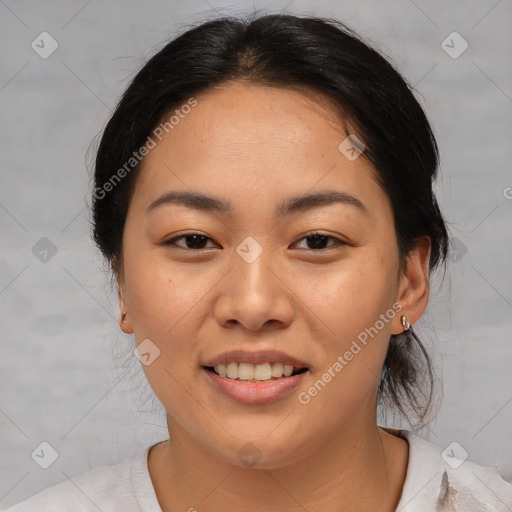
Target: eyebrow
202 202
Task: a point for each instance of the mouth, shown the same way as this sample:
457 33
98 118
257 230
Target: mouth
263 372
252 378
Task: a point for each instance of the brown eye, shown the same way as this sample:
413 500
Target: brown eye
192 241
317 241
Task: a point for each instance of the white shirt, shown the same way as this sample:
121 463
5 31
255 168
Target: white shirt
431 485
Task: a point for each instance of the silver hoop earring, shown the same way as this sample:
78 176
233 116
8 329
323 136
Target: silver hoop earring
405 324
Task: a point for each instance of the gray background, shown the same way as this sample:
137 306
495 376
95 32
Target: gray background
67 373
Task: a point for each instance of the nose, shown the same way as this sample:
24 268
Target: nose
255 295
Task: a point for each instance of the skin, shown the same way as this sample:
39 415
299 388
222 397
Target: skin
255 147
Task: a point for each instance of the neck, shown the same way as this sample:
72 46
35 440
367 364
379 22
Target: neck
362 468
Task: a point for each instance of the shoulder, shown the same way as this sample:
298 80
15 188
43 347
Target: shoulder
125 485
443 480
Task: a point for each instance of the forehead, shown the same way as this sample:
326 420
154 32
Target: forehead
255 142
242 116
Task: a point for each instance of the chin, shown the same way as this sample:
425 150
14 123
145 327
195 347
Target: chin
264 452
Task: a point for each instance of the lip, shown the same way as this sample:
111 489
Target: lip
259 357
250 392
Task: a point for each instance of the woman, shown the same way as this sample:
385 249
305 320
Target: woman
263 194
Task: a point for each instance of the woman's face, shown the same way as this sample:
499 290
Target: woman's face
251 287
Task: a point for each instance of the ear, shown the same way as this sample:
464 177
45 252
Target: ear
125 321
414 285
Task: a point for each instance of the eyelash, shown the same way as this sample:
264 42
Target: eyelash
338 242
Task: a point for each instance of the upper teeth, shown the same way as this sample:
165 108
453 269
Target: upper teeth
248 371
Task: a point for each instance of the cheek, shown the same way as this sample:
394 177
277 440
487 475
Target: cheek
164 304
350 296
159 294
354 338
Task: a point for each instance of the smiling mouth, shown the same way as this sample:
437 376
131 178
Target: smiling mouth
255 372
